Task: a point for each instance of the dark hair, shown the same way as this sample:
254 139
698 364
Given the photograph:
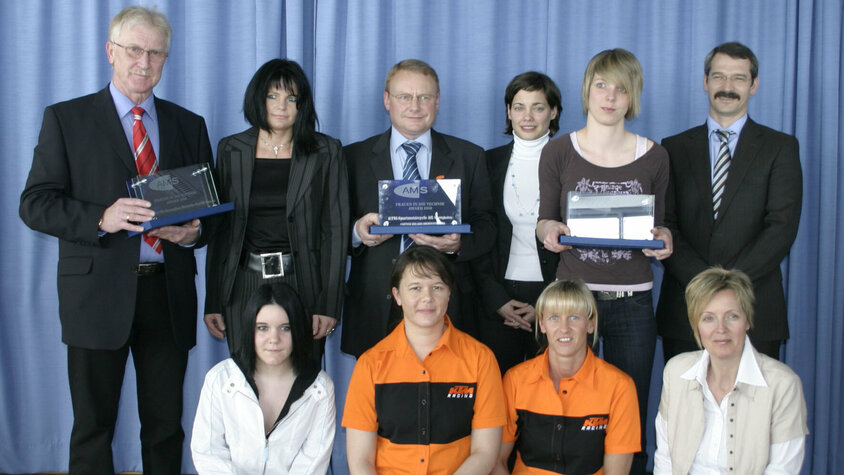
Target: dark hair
285 297
735 50
534 81
287 75
425 261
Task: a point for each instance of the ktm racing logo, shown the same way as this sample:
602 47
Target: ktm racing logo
595 423
461 392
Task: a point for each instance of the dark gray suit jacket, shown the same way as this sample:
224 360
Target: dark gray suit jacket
317 220
368 305
757 222
490 269
79 168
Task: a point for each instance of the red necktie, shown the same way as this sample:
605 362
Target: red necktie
144 160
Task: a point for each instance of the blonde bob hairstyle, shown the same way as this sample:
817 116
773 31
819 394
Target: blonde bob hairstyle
705 285
619 67
566 297
414 66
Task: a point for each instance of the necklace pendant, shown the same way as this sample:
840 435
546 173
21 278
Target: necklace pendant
275 150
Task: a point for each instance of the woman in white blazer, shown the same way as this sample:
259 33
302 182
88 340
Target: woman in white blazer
265 410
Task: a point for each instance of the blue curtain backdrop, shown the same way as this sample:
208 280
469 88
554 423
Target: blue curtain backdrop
54 50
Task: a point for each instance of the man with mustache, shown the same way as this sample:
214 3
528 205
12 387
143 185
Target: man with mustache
119 294
734 199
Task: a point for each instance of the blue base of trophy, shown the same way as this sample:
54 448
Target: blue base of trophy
422 229
184 217
615 243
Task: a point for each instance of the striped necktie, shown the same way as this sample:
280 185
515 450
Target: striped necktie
719 175
410 172
144 160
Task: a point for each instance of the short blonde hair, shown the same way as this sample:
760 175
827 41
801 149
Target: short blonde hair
619 67
569 297
413 65
137 15
705 285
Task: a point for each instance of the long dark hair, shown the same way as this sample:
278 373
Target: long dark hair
287 75
285 297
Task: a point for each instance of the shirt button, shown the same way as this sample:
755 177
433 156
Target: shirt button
731 420
423 371
559 426
422 460
565 392
424 402
388 296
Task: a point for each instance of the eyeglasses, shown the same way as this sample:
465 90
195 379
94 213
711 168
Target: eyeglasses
407 99
137 52
737 79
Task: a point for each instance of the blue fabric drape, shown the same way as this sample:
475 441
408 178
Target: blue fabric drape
54 51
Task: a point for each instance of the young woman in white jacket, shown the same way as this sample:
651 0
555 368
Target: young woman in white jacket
266 410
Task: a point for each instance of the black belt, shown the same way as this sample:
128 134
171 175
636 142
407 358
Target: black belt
148 268
616 294
269 264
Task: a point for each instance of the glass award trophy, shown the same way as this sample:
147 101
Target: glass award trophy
419 206
608 220
178 195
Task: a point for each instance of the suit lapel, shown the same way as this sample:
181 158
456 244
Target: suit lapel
168 130
498 168
302 169
243 163
381 165
744 156
441 162
112 129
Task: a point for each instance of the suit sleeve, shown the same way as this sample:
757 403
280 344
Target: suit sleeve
47 204
477 210
782 214
218 234
685 262
334 227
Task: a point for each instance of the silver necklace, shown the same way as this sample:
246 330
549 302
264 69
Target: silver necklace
275 148
523 210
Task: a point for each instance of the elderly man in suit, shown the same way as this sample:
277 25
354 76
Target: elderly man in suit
411 96
118 294
734 200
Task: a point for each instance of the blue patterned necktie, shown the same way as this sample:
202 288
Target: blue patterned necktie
719 174
410 172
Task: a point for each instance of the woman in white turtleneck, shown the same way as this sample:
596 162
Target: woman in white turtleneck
514 273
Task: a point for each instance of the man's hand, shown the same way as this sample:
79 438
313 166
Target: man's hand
184 234
549 232
663 234
124 213
323 326
449 243
216 327
518 315
362 228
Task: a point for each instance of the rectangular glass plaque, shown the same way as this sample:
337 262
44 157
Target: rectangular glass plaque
609 220
419 206
178 195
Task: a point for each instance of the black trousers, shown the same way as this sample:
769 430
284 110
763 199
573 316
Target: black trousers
511 345
96 378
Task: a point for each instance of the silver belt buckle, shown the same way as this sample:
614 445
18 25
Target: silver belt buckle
272 265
